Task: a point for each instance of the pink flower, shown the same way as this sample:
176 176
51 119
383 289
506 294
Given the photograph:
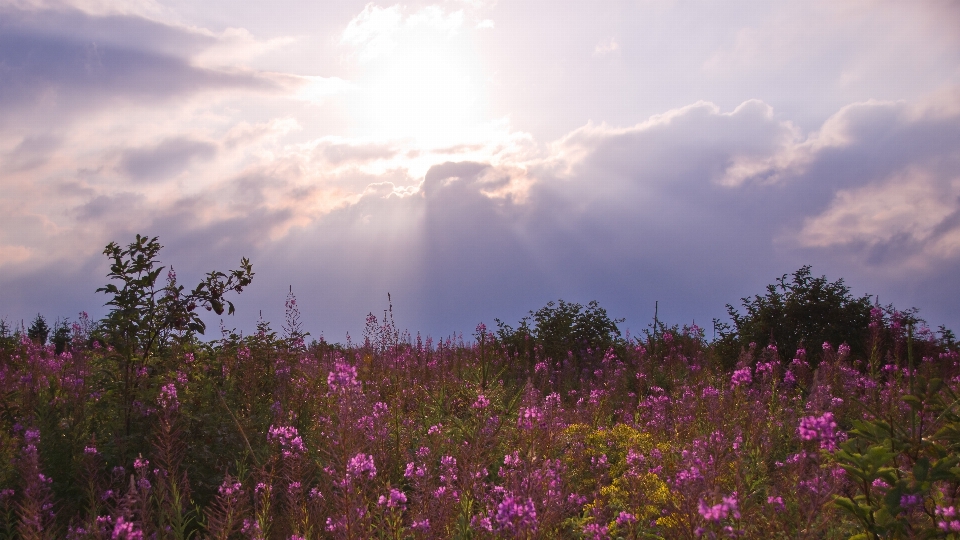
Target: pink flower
741 377
168 397
361 464
718 512
124 530
343 377
514 514
395 499
291 444
820 428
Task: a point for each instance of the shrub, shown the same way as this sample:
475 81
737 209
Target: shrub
561 330
798 312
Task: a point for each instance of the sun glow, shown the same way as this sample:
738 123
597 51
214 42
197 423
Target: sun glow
420 76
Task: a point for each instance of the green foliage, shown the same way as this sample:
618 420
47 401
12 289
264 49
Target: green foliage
798 312
7 338
559 330
145 316
39 331
903 461
61 336
143 313
900 469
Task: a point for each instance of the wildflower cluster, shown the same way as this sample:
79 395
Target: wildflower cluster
820 428
261 436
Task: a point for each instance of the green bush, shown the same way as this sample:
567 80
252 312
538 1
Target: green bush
561 331
797 312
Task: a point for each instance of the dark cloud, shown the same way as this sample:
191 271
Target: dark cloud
69 61
168 158
103 207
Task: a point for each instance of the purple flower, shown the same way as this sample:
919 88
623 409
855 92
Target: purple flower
360 464
529 417
514 514
291 444
125 530
945 516
395 499
910 500
228 488
718 512
625 518
482 524
820 428
343 377
168 397
595 531
741 377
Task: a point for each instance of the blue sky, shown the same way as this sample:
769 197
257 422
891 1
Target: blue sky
477 159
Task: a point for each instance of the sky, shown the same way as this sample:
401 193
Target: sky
476 159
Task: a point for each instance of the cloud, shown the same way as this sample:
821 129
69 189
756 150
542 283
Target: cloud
337 152
165 159
13 254
107 207
693 208
30 153
373 29
70 62
605 48
896 193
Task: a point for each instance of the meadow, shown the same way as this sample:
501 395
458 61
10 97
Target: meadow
134 427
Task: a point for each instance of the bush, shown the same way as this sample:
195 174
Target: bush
560 331
802 312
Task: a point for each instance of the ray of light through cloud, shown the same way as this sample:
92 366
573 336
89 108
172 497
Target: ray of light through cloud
477 159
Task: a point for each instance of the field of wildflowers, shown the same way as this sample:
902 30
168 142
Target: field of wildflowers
401 437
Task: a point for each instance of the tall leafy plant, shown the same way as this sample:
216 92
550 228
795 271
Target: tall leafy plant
145 314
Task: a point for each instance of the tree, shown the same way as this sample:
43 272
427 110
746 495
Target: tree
39 331
560 330
61 335
145 315
799 312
